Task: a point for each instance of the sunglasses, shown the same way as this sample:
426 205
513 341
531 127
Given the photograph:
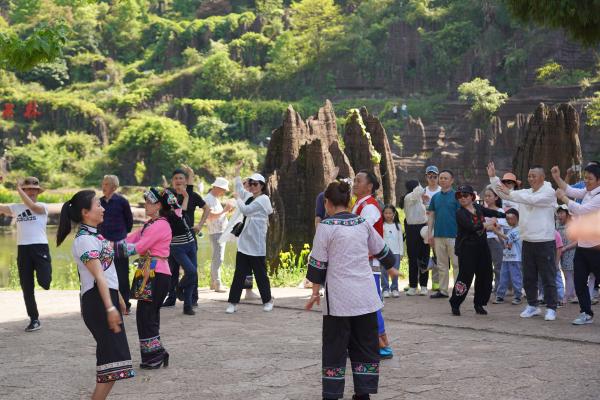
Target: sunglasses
253 183
432 175
506 182
463 195
31 182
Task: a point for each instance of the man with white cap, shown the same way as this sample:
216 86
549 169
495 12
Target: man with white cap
217 222
33 254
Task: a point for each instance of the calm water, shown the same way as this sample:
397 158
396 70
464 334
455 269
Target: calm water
64 272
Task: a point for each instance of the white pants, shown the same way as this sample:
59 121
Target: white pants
218 255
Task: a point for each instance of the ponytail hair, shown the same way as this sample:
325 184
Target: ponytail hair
71 213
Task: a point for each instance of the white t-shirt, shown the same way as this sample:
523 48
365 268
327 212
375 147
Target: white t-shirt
503 224
87 246
31 227
430 194
393 238
216 225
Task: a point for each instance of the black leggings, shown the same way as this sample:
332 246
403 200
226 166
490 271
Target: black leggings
246 265
30 258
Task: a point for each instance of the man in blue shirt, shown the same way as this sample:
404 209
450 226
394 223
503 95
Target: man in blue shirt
118 221
442 230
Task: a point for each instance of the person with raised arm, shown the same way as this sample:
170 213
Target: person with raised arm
33 253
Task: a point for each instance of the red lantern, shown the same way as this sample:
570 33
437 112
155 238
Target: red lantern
31 110
9 111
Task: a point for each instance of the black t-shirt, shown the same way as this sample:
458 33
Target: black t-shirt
194 202
182 230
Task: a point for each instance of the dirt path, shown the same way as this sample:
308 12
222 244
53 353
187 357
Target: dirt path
257 355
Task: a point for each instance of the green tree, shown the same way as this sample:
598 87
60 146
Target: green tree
218 77
123 29
59 160
44 44
593 111
162 143
250 49
484 98
318 24
579 18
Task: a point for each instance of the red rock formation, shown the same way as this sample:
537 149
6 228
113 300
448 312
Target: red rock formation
301 160
367 147
551 138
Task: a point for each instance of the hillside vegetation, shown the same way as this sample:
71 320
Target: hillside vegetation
144 85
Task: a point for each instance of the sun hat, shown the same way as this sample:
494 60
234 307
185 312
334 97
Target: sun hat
31 182
221 183
509 176
257 178
423 233
563 207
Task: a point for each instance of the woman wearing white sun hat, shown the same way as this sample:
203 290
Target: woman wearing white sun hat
252 242
217 222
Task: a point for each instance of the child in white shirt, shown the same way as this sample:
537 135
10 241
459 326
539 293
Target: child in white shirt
393 236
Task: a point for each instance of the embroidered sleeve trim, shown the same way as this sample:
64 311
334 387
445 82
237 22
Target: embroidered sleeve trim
313 262
89 255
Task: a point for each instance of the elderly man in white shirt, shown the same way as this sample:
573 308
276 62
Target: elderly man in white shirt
418 252
536 224
587 257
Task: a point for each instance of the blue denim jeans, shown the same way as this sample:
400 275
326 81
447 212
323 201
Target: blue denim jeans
510 272
560 286
385 285
185 255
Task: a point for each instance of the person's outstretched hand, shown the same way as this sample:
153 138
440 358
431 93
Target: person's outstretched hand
555 172
491 169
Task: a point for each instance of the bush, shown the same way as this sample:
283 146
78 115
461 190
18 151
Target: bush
211 159
484 98
160 142
593 111
57 160
209 127
553 73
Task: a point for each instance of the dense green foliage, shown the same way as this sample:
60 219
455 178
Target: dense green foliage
485 99
133 74
581 18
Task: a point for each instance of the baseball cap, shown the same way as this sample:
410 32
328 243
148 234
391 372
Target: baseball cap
432 169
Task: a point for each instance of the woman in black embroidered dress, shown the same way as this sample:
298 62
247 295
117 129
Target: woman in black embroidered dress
473 252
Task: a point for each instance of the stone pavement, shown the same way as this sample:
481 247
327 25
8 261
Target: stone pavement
276 356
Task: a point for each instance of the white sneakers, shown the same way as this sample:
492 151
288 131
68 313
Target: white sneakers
531 311
583 319
386 294
395 294
231 308
411 292
267 307
423 291
550 315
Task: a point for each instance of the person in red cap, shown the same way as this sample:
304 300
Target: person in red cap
473 251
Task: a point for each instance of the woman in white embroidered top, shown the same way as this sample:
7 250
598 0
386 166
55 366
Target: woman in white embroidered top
101 304
256 207
340 260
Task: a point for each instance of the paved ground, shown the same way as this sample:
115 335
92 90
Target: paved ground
257 355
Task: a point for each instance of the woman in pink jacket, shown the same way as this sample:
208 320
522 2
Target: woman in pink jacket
152 243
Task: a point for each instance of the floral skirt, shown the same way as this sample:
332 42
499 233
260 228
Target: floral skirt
113 360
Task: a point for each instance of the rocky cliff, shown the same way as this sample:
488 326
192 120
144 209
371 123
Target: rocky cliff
547 133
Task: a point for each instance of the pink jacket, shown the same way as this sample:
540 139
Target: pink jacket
154 240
